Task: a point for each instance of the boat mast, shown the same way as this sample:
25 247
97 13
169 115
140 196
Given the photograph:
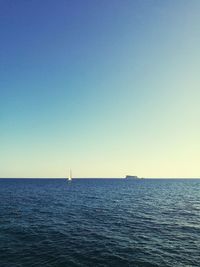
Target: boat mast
70 174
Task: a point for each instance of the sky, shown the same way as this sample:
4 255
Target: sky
106 88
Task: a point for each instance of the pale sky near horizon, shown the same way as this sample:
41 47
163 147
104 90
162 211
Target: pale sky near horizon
107 88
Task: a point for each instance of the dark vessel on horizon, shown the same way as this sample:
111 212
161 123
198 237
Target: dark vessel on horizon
131 177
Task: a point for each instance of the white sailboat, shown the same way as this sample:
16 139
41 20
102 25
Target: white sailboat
70 175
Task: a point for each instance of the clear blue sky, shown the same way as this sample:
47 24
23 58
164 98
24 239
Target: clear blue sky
107 88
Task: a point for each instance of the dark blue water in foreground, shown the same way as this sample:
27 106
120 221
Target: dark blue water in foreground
53 223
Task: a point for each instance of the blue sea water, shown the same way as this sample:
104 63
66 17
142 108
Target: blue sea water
99 222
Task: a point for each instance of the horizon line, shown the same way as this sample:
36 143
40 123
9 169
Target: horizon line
99 178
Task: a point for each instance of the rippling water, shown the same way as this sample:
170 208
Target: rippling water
93 222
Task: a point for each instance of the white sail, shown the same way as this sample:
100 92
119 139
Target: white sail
70 175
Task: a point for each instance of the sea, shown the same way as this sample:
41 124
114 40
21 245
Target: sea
99 222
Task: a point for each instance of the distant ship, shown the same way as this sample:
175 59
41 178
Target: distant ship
131 177
70 175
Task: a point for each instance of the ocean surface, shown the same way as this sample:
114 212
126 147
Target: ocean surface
99 222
